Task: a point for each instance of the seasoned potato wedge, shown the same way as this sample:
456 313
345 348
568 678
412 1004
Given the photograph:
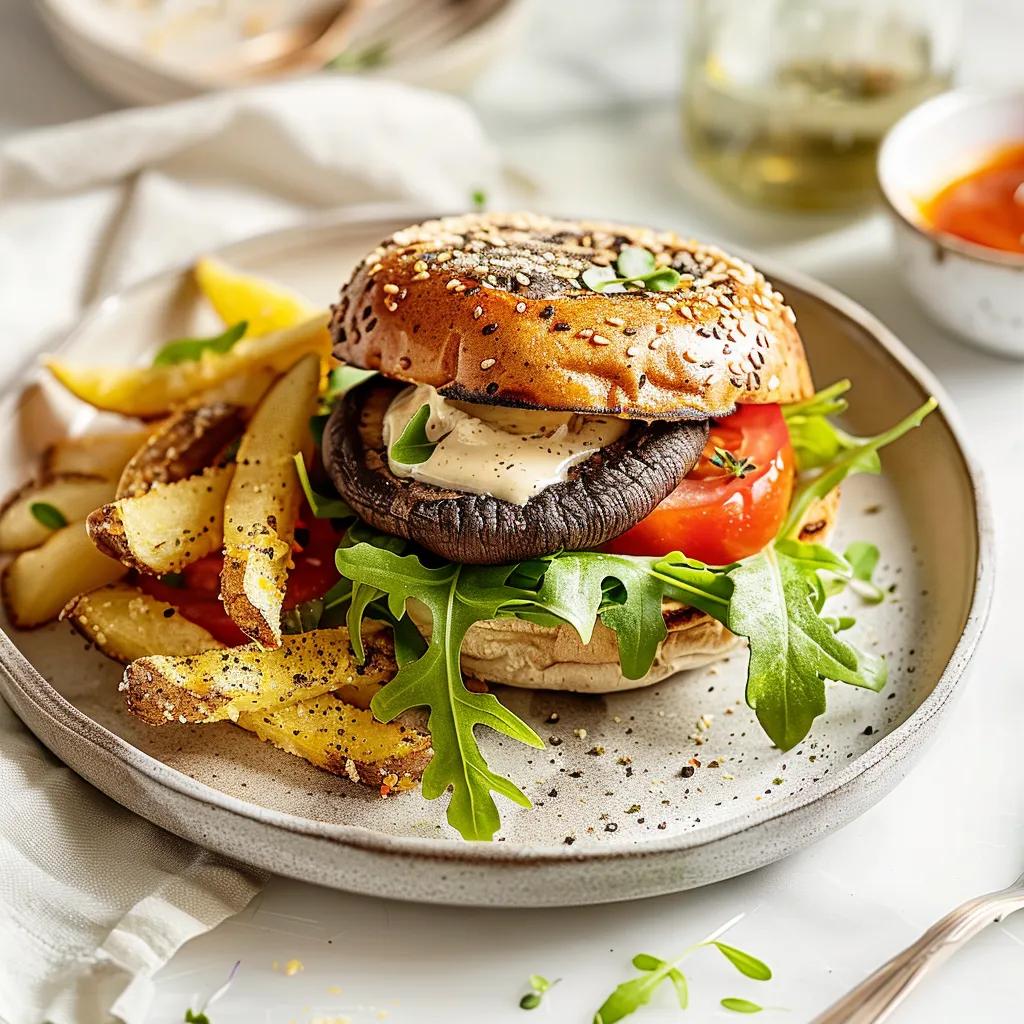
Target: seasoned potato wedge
218 685
96 454
126 623
152 391
235 296
39 583
185 444
344 740
168 527
74 495
261 504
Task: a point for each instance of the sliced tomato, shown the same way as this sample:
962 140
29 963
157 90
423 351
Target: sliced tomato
198 599
715 515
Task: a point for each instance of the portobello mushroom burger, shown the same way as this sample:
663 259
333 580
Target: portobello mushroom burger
588 455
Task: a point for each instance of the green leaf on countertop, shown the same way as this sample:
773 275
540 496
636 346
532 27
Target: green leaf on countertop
745 963
738 1005
48 515
413 446
185 350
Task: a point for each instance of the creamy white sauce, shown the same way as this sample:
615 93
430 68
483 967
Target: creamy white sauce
511 454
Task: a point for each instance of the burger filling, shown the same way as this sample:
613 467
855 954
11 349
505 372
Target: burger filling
511 454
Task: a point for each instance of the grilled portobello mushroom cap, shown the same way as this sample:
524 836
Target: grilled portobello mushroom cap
603 496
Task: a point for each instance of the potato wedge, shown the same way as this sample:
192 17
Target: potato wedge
73 495
236 296
96 454
39 583
344 740
261 504
153 391
169 527
185 444
126 623
219 685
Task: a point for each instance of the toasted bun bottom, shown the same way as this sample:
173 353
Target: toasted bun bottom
519 653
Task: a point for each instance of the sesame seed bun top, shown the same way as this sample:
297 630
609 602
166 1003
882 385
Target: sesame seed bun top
494 308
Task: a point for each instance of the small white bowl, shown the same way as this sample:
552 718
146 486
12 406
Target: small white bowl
971 289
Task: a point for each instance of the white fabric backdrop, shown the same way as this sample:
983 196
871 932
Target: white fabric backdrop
92 899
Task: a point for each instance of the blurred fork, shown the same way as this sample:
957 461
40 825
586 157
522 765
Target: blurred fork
392 27
874 999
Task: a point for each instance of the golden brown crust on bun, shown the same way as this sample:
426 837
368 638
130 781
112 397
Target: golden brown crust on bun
519 653
492 308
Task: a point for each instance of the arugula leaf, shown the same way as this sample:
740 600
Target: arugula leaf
744 962
738 1005
413 446
340 380
792 649
457 596
322 506
186 350
48 515
855 455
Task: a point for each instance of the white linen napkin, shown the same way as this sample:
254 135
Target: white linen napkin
92 899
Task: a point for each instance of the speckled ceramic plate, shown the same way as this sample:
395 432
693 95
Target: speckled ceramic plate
619 824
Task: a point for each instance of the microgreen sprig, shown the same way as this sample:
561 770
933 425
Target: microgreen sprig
637 271
199 1016
538 986
737 466
631 995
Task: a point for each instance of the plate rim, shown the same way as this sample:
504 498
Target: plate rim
448 850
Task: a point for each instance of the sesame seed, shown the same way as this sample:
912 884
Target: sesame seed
663 307
585 333
564 272
486 364
520 307
391 289
689 356
614 321
633 350
599 339
654 344
685 311
419 266
376 268
420 276
773 382
442 257
454 283
761 318
478 312
522 279
390 306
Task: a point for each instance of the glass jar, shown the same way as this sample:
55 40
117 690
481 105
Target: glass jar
785 101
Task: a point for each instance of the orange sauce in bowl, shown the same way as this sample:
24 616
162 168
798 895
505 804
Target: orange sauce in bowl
985 206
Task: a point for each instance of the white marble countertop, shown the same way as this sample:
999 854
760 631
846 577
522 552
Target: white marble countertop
587 111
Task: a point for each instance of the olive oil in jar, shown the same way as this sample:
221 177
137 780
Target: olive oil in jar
789 110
